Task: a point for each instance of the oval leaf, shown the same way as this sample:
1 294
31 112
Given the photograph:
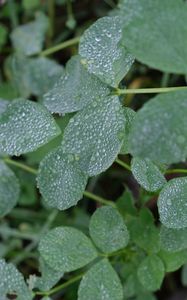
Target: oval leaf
173 239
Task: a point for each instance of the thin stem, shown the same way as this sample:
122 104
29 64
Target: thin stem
51 12
99 199
20 165
11 232
123 164
173 171
60 46
149 90
12 13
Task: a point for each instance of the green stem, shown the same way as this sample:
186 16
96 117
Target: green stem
51 12
10 232
149 90
20 165
13 13
60 46
123 164
99 199
173 171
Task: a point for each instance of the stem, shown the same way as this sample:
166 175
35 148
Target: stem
51 12
10 232
123 164
20 165
150 90
13 14
60 46
99 199
172 171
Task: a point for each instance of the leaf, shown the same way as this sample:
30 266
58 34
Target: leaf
147 174
172 203
66 249
173 260
129 115
9 189
126 204
155 33
25 126
12 281
75 89
184 275
3 105
159 131
95 135
101 52
3 35
108 230
173 239
100 282
60 180
151 273
28 38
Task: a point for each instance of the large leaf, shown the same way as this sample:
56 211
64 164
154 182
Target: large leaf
101 52
100 282
147 174
151 272
28 39
155 33
12 282
66 249
75 89
108 230
159 131
173 239
9 189
172 203
95 134
60 180
25 126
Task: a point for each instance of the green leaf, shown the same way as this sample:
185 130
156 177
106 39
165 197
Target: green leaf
101 52
159 131
173 260
25 126
100 282
95 134
155 33
108 230
9 189
60 180
3 105
126 204
75 89
172 203
129 115
173 239
30 4
132 286
184 275
147 174
151 273
3 35
28 38
66 249
12 282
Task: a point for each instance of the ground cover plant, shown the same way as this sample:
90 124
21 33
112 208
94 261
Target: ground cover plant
93 147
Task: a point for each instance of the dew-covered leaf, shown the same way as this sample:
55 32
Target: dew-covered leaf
173 260
75 89
9 189
172 203
95 134
147 174
100 282
12 282
108 230
60 180
155 33
129 115
173 239
151 272
25 126
159 131
66 249
28 38
101 52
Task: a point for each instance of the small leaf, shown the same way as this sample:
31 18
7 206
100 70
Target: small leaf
129 115
172 203
108 230
173 239
60 180
3 35
66 249
9 189
25 126
159 131
155 33
100 282
173 260
75 89
28 39
101 52
147 174
3 105
151 273
12 282
126 204
95 134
